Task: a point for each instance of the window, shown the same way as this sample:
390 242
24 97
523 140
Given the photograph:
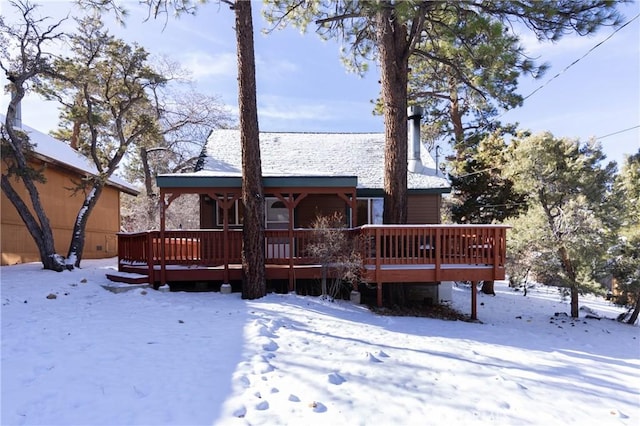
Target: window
276 214
369 211
235 214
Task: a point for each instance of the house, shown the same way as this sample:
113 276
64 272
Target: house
62 166
324 162
306 175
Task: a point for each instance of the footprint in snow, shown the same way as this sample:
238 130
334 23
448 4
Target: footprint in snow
244 381
618 413
271 346
382 354
262 405
264 331
372 358
510 383
336 379
504 405
318 407
261 366
240 412
294 398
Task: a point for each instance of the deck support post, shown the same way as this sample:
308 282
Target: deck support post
474 300
379 291
163 260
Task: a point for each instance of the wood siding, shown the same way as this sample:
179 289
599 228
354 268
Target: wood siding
207 213
318 205
423 208
62 206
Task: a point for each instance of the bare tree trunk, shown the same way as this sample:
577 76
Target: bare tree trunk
636 311
487 288
393 49
40 228
76 247
41 234
150 204
253 285
563 256
575 294
571 274
454 112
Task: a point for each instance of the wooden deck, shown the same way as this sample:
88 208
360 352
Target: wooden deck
390 253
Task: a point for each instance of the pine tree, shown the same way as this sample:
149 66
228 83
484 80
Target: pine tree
567 226
625 264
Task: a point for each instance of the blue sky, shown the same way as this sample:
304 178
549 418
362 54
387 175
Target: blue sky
303 86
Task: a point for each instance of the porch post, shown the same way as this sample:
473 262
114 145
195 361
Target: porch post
438 254
474 297
225 237
378 264
291 243
163 266
496 249
354 209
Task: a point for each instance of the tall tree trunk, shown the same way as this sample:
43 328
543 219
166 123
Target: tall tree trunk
488 288
563 255
394 64
150 205
40 228
456 115
253 285
634 316
571 274
76 247
42 234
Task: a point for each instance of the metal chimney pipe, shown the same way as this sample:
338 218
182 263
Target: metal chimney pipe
414 114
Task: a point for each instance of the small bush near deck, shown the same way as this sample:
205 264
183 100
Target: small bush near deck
336 249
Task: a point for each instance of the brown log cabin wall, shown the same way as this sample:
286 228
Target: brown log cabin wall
62 207
317 205
310 207
207 213
423 208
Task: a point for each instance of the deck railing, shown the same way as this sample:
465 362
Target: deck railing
380 245
431 244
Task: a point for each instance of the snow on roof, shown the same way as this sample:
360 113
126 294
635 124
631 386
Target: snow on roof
52 150
305 154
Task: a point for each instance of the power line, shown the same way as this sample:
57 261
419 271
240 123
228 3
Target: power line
618 132
581 58
476 172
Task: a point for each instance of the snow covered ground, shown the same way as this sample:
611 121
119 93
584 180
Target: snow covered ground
92 357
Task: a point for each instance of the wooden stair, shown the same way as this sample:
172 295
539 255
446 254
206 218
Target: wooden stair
128 278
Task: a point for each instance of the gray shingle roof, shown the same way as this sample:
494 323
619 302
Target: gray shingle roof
317 154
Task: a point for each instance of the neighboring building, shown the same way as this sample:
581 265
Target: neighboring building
63 166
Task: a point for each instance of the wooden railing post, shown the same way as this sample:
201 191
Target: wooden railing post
497 250
150 260
474 300
438 254
378 230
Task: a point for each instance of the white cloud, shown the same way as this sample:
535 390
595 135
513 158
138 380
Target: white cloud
203 65
300 114
267 67
284 108
571 45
